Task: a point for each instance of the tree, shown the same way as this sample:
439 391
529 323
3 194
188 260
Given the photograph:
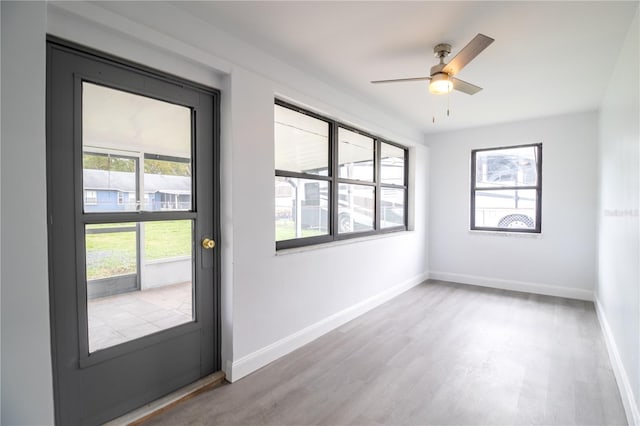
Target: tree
107 162
162 167
120 164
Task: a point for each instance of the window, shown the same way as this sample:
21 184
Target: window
90 198
112 173
506 189
333 181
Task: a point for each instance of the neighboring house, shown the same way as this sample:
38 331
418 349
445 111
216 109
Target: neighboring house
106 190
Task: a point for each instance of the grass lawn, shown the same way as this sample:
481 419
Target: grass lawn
112 254
167 239
286 230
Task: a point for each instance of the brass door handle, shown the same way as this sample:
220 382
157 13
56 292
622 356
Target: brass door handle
208 244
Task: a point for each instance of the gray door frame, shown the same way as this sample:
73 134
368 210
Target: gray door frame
94 388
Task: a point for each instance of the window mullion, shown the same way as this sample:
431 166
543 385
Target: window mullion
505 188
308 176
357 182
333 158
392 185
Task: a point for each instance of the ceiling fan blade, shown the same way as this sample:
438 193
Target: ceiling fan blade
464 87
466 55
397 80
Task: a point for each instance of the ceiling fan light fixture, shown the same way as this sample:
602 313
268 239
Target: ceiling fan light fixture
440 84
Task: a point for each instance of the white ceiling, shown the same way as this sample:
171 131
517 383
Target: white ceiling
548 58
117 120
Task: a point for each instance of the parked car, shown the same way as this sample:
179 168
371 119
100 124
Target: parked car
355 206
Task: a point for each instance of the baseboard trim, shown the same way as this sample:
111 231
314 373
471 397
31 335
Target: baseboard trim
624 386
527 287
258 359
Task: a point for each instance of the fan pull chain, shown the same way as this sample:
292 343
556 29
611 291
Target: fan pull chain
433 117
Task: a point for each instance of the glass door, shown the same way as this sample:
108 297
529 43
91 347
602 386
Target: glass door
136 157
133 222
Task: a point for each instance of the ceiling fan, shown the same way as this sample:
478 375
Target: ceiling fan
441 77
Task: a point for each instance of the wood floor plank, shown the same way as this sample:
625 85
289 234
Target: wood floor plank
439 354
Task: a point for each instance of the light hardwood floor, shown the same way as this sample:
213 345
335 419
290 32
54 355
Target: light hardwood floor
439 354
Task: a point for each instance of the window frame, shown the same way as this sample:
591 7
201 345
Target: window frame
537 187
334 183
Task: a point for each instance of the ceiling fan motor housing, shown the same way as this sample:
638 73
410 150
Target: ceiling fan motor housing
437 69
442 50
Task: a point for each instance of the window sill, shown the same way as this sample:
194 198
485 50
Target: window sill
506 234
355 240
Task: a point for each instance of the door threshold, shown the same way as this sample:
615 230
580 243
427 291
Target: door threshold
152 409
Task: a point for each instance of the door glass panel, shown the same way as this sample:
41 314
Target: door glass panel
355 154
113 122
356 208
139 279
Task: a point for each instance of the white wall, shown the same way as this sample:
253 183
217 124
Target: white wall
618 289
561 261
272 303
268 298
278 296
26 351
